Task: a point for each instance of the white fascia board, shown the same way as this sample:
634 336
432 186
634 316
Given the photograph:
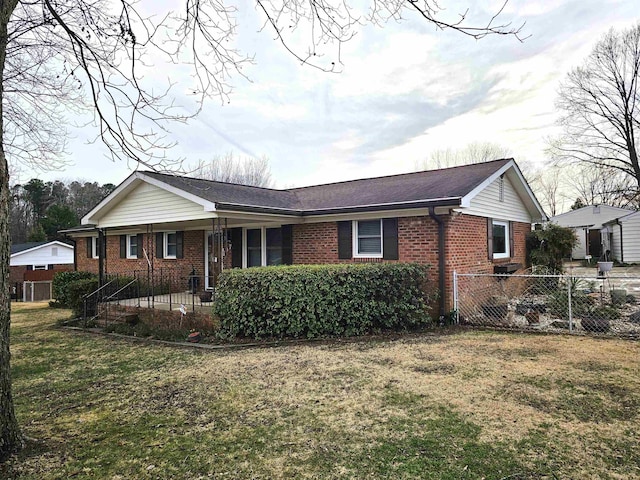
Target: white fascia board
127 185
207 205
521 185
255 216
133 181
33 249
374 215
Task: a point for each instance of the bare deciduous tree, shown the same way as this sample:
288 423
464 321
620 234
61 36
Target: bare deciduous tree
604 186
476 152
231 169
95 55
599 104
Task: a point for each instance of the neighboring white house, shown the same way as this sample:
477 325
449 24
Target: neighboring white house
593 228
41 255
625 238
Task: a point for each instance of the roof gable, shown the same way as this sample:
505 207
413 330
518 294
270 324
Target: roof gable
25 248
590 216
455 187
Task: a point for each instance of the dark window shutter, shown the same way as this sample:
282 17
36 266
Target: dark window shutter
89 247
123 246
159 245
490 238
287 244
29 268
236 247
344 240
179 244
390 239
139 243
511 241
50 267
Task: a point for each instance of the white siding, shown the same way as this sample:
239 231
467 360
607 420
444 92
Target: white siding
150 204
43 256
616 252
487 203
590 215
631 238
580 250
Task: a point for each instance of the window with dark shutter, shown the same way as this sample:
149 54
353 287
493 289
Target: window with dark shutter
236 247
140 246
159 245
390 239
123 246
287 244
89 247
344 240
179 244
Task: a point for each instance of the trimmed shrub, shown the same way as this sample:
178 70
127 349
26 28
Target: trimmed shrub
77 290
61 281
321 300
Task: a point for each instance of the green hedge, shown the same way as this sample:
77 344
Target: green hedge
77 290
61 282
321 300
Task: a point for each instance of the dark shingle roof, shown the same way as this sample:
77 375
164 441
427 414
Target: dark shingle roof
21 247
230 193
432 186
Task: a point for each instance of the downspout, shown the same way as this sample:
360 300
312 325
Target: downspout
441 260
101 249
621 242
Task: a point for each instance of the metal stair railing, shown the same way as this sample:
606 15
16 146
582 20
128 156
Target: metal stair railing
93 294
107 301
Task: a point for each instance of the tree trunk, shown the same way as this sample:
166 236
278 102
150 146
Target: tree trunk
10 437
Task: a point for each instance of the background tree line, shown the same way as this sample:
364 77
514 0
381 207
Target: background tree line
38 209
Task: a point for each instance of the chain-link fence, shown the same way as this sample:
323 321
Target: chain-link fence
554 303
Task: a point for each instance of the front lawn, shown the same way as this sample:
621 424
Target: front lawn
452 406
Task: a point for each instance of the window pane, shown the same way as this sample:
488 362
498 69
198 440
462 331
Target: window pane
171 245
133 246
370 227
499 239
254 238
254 257
274 237
274 256
369 245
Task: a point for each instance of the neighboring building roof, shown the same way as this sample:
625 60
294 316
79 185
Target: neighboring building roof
454 186
35 252
591 216
21 247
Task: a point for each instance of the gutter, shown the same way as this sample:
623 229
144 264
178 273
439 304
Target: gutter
439 202
621 242
441 260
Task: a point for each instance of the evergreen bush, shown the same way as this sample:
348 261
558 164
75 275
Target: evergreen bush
309 301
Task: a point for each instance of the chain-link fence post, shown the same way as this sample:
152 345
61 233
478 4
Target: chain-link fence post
455 297
570 304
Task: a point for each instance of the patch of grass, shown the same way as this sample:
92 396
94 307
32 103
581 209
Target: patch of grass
465 405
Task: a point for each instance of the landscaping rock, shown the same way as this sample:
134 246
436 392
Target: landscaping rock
560 324
635 317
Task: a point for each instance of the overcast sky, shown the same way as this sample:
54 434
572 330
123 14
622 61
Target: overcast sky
405 90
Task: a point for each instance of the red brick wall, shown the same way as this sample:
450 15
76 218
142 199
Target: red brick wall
193 256
17 273
465 245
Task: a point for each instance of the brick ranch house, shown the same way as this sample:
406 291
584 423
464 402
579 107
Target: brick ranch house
471 218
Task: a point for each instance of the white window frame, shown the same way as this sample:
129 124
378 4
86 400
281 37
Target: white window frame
165 245
41 267
356 253
94 247
129 237
263 244
506 253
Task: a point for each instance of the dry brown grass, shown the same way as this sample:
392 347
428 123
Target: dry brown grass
463 405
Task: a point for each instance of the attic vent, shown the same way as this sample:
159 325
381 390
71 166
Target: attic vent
54 251
501 188
596 209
